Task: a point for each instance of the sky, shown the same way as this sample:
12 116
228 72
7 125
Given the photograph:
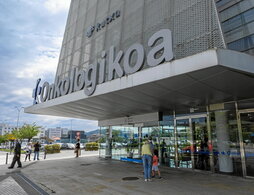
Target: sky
31 33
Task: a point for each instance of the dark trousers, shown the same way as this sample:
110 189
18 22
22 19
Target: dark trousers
28 155
16 159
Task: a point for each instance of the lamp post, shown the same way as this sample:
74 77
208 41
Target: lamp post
19 109
71 132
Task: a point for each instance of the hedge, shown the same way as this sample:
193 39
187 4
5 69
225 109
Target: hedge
54 148
92 146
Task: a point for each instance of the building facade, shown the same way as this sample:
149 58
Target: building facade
6 128
179 71
55 132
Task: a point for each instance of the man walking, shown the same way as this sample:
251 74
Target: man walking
77 149
16 158
36 150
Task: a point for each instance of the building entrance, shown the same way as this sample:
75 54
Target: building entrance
192 142
247 143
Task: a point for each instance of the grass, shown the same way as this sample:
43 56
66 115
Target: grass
8 150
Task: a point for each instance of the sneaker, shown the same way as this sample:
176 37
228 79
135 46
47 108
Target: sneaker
146 180
149 180
10 167
160 177
153 176
19 167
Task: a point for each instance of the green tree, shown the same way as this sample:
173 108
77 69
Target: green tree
16 134
3 139
28 131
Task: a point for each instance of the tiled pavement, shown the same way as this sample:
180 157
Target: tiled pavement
8 186
17 184
95 176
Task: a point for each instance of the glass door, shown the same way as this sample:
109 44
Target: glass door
192 142
184 143
167 145
200 147
247 131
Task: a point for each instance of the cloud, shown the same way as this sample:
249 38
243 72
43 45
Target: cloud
23 92
54 121
30 40
44 63
55 6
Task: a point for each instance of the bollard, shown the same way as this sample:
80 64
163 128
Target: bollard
6 158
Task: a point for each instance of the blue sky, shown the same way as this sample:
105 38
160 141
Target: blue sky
31 34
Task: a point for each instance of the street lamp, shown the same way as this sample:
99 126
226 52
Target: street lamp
19 109
71 132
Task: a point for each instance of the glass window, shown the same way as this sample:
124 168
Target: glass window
241 32
222 2
125 142
226 146
103 141
242 44
238 20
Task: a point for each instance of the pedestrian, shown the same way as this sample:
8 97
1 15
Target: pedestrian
147 160
77 149
156 164
16 157
163 150
28 150
36 150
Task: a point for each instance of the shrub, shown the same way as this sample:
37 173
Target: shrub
92 146
50 149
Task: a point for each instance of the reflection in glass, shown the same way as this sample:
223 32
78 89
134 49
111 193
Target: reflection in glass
102 141
247 123
184 143
125 142
226 147
167 145
200 143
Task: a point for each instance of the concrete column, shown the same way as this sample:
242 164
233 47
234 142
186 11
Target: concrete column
222 134
139 140
108 153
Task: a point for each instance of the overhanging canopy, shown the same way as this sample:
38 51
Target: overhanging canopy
213 76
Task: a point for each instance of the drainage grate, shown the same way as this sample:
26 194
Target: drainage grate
130 178
29 186
85 164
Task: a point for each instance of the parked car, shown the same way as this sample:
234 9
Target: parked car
82 146
64 146
67 146
71 146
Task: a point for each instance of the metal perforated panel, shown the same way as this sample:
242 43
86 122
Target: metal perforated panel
194 25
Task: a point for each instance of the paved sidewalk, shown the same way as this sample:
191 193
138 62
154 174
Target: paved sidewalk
64 154
92 175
